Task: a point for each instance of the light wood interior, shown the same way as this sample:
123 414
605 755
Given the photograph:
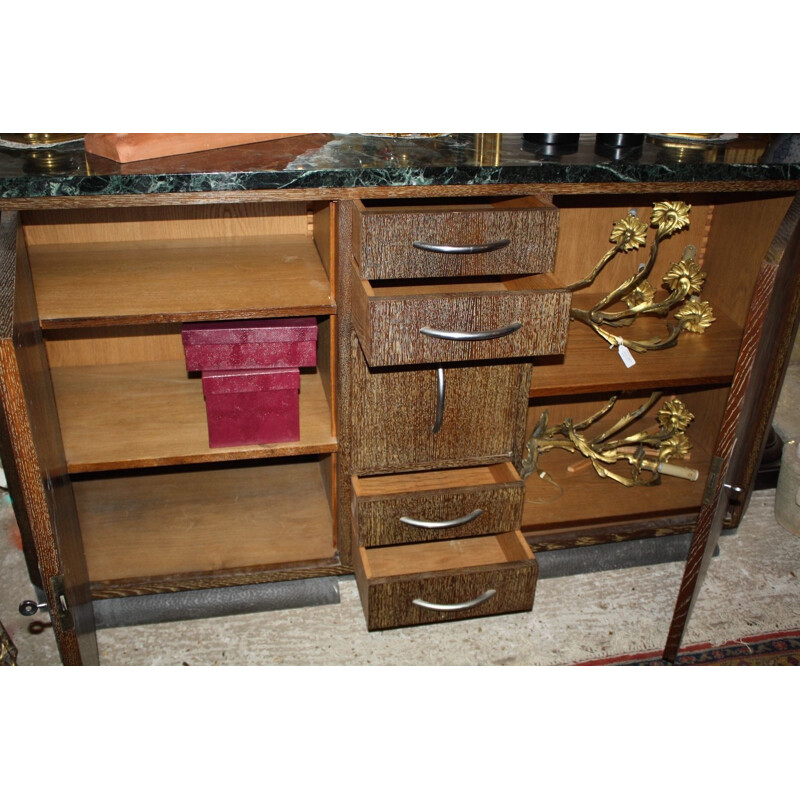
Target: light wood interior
435 480
154 523
453 554
582 497
124 415
113 225
590 365
178 280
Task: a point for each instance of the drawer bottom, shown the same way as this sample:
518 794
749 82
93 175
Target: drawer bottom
419 584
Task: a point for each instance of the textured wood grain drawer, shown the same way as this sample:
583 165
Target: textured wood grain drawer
424 323
441 504
418 584
428 239
395 410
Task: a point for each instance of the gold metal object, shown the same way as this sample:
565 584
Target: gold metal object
38 139
646 452
487 149
684 280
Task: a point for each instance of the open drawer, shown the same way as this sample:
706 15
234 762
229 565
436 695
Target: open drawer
431 238
413 322
439 504
418 584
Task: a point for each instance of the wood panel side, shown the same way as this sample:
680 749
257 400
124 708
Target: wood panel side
46 501
783 257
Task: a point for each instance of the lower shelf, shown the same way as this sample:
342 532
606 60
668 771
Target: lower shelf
584 498
202 520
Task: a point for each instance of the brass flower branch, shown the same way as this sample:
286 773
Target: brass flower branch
646 452
684 280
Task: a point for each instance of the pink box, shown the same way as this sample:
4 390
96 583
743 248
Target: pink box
252 406
250 344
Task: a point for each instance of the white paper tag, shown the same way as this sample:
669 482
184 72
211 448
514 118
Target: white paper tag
627 359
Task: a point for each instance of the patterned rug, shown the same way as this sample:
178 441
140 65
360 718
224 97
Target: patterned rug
780 649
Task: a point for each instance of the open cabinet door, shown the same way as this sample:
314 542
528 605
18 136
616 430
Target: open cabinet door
760 366
33 457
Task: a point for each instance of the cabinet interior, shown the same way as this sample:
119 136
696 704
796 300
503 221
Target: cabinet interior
159 509
157 506
731 237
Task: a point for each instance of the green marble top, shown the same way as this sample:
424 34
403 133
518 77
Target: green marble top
346 161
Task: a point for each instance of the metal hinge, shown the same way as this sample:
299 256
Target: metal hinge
61 610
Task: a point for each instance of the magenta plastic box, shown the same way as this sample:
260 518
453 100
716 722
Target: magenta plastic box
250 344
252 406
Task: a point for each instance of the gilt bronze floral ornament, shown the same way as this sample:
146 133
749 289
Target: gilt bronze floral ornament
646 453
683 281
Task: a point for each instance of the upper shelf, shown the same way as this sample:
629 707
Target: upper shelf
132 283
590 365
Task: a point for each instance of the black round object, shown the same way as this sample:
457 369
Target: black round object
552 138
620 139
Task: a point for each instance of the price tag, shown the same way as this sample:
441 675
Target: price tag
627 359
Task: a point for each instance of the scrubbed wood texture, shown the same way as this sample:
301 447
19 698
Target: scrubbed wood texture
394 410
445 572
782 259
384 237
388 321
379 502
33 456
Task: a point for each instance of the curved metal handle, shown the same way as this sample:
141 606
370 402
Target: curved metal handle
450 523
487 595
478 336
462 249
437 422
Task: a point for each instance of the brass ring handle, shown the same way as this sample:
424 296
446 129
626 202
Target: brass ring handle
450 523
477 336
487 595
462 249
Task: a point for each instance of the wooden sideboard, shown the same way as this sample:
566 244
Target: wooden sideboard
104 440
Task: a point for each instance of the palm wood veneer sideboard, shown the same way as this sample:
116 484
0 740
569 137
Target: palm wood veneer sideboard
407 470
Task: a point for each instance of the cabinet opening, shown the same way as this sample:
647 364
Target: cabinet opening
146 526
573 495
125 399
725 241
133 266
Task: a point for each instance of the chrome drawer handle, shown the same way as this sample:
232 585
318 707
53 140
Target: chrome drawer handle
450 523
462 249
487 595
478 336
437 422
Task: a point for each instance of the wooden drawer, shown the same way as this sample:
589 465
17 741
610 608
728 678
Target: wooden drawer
475 577
426 239
441 504
429 323
394 413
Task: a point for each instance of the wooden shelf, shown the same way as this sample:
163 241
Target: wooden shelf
589 365
131 283
151 414
203 520
589 499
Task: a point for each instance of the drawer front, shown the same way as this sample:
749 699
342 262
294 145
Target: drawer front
430 328
446 595
394 412
436 241
421 507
